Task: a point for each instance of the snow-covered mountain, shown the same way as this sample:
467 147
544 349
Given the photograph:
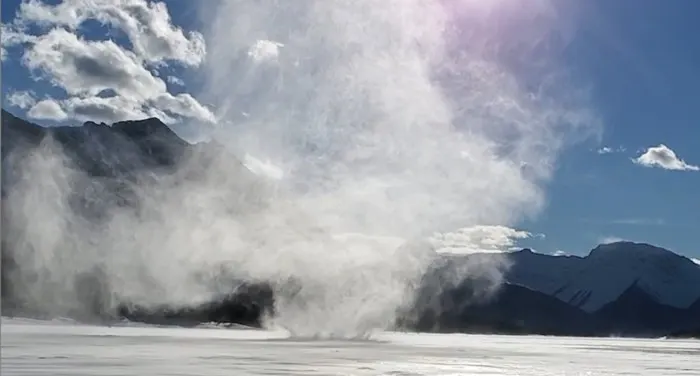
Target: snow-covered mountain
607 272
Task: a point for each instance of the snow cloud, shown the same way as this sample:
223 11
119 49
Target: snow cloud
480 239
103 80
662 156
393 120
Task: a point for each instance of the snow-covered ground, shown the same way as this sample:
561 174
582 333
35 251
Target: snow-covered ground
64 348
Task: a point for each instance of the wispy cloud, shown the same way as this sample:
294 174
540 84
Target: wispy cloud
662 156
638 221
264 168
611 150
610 239
175 81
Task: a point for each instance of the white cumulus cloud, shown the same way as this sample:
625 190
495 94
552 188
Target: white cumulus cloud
103 80
662 156
84 67
147 24
479 239
47 109
107 110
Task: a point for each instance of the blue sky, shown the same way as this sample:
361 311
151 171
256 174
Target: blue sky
641 60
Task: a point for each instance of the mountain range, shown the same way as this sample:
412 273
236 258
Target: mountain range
623 288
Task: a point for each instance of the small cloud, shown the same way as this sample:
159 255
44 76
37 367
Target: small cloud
265 50
610 150
479 239
183 104
663 157
610 240
641 221
559 252
47 109
176 81
21 99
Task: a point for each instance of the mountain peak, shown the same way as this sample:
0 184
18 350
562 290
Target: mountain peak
149 129
627 247
602 276
146 128
150 141
94 124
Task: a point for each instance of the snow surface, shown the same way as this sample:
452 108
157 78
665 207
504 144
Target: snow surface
591 282
65 348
